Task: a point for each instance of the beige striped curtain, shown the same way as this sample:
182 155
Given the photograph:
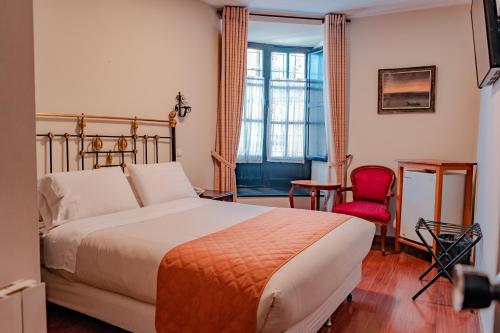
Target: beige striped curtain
335 94
232 87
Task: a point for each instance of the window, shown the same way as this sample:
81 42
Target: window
287 107
252 124
278 132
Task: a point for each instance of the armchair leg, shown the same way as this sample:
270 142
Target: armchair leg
383 234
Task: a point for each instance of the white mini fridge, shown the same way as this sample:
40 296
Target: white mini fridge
418 201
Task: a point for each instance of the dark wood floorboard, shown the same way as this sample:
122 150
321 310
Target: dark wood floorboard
381 303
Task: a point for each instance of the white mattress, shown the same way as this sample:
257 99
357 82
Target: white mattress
121 253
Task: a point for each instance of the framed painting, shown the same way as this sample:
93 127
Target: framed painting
406 90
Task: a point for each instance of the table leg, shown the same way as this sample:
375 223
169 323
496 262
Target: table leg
468 197
399 203
438 196
313 199
318 199
290 196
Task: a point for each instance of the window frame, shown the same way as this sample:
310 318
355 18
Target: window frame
248 158
309 156
287 122
273 174
267 49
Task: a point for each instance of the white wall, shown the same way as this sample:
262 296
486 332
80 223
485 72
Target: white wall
488 191
18 223
440 37
130 57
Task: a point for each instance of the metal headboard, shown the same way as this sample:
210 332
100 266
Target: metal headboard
92 144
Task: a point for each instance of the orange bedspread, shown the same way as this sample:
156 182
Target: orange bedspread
214 283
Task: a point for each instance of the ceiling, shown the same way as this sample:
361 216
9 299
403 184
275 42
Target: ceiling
309 33
285 34
352 8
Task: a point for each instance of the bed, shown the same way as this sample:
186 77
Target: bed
103 258
107 247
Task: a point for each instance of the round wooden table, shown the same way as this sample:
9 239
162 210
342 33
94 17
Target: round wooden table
314 187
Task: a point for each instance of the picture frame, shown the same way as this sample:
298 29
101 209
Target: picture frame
407 90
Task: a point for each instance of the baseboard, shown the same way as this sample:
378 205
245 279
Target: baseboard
389 248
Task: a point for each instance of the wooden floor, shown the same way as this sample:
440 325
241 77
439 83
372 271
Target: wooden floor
381 303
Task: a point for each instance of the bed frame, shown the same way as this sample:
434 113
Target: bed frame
122 311
92 145
80 297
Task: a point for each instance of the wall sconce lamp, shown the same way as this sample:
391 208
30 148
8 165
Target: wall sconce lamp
181 108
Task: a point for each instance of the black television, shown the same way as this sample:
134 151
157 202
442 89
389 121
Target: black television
486 32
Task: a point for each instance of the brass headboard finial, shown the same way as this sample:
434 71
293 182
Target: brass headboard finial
97 143
122 143
109 158
135 126
82 125
171 119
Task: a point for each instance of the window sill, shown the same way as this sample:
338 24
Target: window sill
262 191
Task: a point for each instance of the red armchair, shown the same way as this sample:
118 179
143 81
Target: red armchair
371 188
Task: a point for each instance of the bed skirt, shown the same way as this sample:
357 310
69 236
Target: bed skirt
136 316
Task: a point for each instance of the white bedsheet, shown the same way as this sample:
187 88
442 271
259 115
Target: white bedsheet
61 243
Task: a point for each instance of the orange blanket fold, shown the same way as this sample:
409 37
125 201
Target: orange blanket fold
214 283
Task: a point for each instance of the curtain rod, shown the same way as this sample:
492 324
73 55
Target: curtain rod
219 12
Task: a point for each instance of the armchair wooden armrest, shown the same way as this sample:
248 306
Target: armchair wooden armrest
344 189
339 195
388 199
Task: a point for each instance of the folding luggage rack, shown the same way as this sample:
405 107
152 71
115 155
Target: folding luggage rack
446 256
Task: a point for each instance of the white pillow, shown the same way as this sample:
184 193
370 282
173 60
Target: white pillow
163 182
67 196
